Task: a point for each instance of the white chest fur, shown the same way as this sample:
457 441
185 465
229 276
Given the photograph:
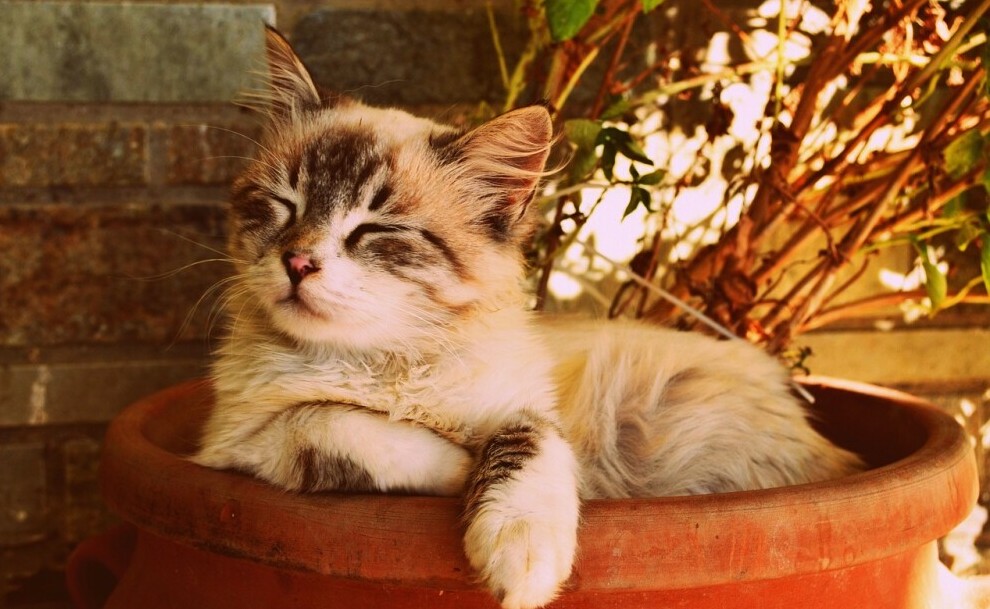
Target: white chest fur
463 392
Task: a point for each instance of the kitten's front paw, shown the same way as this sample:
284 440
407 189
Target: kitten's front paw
523 559
522 507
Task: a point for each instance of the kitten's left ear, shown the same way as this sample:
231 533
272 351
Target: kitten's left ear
505 157
292 87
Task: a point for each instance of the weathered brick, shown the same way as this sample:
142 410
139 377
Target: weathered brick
23 493
83 512
114 154
107 273
405 57
208 154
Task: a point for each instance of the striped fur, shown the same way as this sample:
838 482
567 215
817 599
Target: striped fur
379 341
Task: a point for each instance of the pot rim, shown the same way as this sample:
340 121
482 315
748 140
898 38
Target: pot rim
623 543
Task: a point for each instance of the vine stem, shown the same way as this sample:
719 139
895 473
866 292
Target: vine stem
553 242
781 58
858 235
620 47
497 42
842 214
857 308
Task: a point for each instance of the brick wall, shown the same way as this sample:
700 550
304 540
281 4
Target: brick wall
119 136
107 177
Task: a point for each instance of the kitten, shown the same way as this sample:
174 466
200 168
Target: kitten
379 341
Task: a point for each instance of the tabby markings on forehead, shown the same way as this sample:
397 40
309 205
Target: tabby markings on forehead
337 166
294 168
381 196
368 169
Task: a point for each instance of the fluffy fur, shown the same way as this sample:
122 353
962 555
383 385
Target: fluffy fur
379 342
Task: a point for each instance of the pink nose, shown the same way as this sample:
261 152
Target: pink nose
297 266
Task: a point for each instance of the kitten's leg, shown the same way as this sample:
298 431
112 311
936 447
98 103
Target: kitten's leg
522 513
314 447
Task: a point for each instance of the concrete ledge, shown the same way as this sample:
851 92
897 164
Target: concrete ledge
902 357
85 392
93 51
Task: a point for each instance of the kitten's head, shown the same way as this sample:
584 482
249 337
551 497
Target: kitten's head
369 228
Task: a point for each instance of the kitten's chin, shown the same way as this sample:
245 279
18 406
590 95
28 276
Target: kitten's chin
312 327
302 322
296 307
344 328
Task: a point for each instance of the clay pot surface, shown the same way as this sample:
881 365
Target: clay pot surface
216 539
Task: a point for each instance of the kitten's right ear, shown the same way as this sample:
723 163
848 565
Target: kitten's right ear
291 86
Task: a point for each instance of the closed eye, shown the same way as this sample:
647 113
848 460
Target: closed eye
362 230
289 205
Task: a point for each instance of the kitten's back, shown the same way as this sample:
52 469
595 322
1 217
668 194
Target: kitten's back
655 412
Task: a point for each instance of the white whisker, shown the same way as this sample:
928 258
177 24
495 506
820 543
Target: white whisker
192 312
174 272
237 133
277 170
202 245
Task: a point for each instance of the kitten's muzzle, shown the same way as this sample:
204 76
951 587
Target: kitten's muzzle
297 266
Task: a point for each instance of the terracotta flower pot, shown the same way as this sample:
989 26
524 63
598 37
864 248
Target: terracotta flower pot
220 540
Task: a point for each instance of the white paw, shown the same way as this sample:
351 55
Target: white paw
523 559
522 511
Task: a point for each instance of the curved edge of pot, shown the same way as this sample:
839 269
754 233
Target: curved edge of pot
673 542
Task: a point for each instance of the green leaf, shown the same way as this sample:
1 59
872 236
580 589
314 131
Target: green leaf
963 153
649 5
968 232
986 178
583 164
566 17
631 150
616 109
954 207
632 205
637 196
608 160
625 144
653 178
985 261
583 132
935 282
